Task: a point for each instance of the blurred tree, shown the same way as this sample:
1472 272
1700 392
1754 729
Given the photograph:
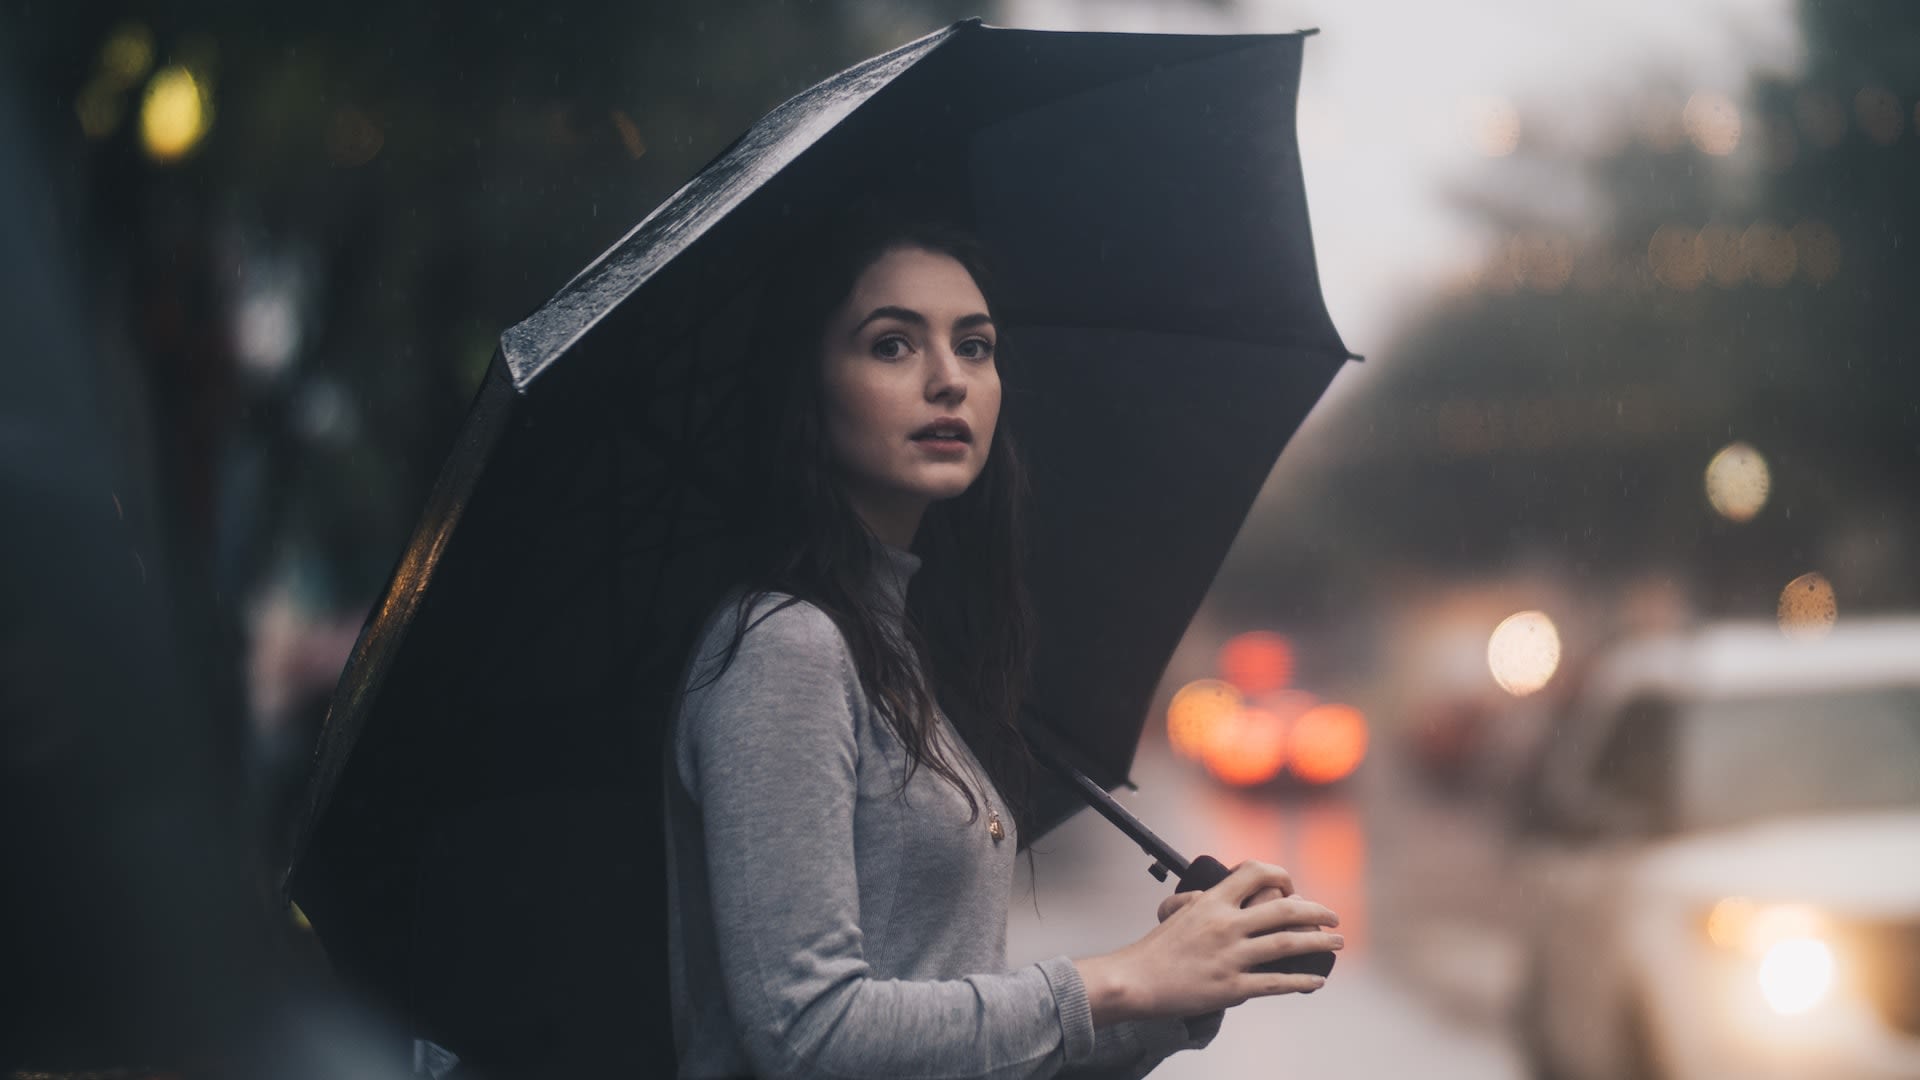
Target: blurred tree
1742 278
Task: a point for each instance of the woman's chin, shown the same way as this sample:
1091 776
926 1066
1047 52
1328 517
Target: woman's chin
942 492
941 480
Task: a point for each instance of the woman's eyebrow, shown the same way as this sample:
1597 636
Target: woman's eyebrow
890 311
893 311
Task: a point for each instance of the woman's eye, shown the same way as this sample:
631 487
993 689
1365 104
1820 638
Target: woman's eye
976 348
890 348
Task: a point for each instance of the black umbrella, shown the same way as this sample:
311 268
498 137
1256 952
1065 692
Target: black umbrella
483 807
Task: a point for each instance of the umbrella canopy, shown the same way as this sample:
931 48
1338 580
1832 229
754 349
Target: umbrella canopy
488 771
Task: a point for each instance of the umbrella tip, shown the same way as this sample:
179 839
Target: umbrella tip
1308 31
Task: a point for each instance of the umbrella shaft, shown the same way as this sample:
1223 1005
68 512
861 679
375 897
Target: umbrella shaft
1098 798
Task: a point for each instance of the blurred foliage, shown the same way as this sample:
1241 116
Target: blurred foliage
1557 412
400 181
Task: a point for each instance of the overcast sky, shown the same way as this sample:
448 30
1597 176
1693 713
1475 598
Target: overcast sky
1391 87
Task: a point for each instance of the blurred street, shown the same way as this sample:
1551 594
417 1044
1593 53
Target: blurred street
1581 607
1426 976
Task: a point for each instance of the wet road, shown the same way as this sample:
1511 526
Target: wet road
1385 1012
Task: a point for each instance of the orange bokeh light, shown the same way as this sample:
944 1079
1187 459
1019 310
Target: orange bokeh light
1197 709
1248 748
1326 743
1258 661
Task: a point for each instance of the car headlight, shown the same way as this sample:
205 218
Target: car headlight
1788 944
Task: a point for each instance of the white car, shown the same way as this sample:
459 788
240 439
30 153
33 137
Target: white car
1722 852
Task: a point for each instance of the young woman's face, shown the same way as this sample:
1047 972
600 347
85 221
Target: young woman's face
911 346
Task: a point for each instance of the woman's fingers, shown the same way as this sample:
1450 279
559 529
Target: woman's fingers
1267 984
1284 943
1265 894
1175 902
1287 912
1250 877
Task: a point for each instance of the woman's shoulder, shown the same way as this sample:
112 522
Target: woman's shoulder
778 625
791 664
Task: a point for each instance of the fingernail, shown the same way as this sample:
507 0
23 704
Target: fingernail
1339 941
1319 981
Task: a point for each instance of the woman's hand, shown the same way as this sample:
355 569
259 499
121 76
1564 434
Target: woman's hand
1175 901
1200 957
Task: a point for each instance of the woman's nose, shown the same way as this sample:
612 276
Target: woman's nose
947 379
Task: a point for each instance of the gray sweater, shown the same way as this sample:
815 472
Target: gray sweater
825 923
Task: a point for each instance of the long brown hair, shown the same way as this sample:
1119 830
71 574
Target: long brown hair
968 622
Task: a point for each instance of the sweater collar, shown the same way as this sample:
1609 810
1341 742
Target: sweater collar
893 570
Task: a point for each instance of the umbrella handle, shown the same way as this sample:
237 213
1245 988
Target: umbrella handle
1205 872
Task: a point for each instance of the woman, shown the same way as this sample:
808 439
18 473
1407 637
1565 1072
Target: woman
840 860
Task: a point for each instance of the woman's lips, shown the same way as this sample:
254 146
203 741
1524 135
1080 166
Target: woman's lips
946 447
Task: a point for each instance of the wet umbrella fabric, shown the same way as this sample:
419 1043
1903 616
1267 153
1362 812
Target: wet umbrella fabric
481 846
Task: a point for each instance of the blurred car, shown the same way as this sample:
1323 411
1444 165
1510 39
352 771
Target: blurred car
1720 844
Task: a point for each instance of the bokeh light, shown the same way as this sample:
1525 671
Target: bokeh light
125 59
1326 743
100 106
1738 482
1677 257
1247 747
1286 704
1770 253
1728 922
1796 974
353 138
1768 926
1258 661
1726 260
1712 121
1524 652
128 55
1543 260
1196 710
1808 607
175 114
1493 125
1879 114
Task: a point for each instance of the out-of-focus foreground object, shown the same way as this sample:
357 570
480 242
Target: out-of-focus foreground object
133 933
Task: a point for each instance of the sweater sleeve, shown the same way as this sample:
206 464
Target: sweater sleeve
770 752
1133 1048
